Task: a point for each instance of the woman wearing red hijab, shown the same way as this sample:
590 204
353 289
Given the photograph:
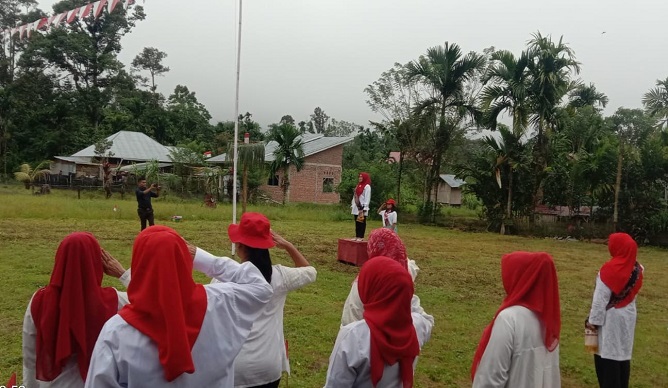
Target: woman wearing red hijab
382 242
520 347
613 311
381 350
64 318
360 204
175 332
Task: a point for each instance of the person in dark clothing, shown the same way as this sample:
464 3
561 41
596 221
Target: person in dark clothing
144 207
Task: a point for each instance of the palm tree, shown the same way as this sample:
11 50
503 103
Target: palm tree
507 90
656 102
29 175
446 71
550 66
584 95
249 156
289 152
509 153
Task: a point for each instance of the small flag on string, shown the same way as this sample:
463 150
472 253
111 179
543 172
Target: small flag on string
74 14
87 10
111 5
98 6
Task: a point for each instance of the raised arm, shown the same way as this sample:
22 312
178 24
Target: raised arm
295 255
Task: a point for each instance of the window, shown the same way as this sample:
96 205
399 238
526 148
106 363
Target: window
273 181
328 185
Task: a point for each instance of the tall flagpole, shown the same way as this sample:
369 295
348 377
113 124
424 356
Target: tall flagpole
236 127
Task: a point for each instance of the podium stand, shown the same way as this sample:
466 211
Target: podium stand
352 252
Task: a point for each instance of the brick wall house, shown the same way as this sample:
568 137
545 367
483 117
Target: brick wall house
316 181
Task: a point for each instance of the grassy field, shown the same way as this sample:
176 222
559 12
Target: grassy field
459 282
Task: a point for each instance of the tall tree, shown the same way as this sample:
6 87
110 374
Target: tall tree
189 119
551 66
656 102
287 119
289 152
446 71
584 95
632 127
319 119
150 59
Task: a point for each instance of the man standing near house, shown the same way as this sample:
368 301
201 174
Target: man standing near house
144 207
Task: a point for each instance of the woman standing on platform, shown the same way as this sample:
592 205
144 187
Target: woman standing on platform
360 205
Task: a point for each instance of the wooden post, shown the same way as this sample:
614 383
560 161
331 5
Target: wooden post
79 192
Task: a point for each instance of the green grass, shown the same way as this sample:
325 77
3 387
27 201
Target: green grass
459 282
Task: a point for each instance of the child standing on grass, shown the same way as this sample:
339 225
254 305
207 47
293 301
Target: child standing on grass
388 213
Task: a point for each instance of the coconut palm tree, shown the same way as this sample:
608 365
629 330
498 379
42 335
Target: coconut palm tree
507 90
446 71
249 156
29 175
584 95
510 154
289 152
656 102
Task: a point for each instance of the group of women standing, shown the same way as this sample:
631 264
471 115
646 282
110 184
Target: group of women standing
168 331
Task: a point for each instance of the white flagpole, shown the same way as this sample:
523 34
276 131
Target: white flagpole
236 128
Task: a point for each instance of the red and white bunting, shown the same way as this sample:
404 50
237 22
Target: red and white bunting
98 6
73 15
68 17
111 5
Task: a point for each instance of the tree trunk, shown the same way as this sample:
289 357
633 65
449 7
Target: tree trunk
401 166
244 194
509 203
618 186
286 185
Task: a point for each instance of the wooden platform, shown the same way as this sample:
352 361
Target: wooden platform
352 252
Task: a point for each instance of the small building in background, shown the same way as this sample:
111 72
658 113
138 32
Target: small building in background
449 190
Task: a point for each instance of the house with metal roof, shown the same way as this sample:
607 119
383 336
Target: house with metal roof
127 147
449 190
318 178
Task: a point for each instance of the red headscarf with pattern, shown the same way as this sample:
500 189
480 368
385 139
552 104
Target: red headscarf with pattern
366 180
617 271
384 242
386 290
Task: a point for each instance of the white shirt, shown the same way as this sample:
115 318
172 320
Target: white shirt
516 356
391 220
69 377
364 199
353 308
263 357
124 357
616 326
350 365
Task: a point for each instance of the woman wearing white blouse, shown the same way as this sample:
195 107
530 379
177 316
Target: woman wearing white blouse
613 311
263 357
360 204
63 319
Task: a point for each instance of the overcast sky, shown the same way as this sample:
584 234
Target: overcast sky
299 54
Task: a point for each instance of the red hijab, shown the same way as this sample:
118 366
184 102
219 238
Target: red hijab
166 304
70 312
615 273
386 289
366 180
530 280
384 242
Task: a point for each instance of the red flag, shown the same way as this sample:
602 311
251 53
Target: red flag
128 3
112 4
60 18
73 15
22 29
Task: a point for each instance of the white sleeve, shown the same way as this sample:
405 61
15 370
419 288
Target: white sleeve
122 299
295 278
599 303
125 278
366 197
29 352
423 327
342 371
416 308
102 371
413 269
353 309
494 367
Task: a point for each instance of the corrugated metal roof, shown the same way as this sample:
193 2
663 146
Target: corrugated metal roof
76 159
313 144
141 166
131 146
452 181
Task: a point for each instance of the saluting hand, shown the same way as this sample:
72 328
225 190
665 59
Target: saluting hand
280 241
111 266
